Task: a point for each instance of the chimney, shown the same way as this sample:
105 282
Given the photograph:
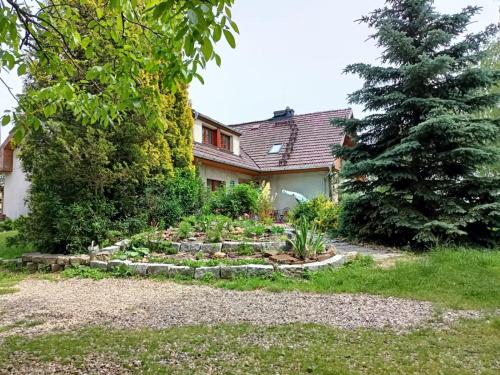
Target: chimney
283 114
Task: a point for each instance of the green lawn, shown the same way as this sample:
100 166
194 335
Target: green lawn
8 281
466 279
467 347
10 252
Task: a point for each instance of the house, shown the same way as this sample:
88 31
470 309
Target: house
291 152
15 186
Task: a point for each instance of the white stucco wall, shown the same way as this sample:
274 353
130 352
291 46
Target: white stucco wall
198 131
207 172
309 184
15 191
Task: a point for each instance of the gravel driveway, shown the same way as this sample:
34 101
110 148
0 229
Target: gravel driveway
42 306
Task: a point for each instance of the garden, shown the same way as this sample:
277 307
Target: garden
230 227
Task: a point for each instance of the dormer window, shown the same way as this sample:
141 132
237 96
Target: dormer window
226 142
209 136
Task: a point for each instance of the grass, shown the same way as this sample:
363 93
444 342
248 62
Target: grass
207 262
456 278
466 347
8 281
10 252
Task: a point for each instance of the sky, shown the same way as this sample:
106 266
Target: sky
289 53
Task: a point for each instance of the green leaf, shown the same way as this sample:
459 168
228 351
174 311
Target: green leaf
192 16
218 60
207 48
18 135
115 4
160 9
5 119
21 69
217 33
230 38
99 12
85 42
235 27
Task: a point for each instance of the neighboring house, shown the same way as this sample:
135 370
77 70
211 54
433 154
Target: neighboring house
15 184
291 152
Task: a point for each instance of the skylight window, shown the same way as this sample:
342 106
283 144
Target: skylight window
275 149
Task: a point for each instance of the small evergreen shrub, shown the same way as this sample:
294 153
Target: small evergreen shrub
321 211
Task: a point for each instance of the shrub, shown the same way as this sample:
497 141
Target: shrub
218 227
234 201
244 249
277 230
184 230
7 225
253 229
321 211
182 195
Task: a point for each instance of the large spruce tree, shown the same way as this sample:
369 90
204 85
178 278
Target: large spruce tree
414 169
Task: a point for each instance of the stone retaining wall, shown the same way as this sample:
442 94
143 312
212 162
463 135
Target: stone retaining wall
101 260
222 271
55 263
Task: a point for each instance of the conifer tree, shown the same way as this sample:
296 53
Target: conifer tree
414 169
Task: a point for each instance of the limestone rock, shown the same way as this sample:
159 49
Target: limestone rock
260 270
231 272
200 272
99 264
158 269
180 271
211 247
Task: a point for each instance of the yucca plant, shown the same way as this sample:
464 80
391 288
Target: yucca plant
308 240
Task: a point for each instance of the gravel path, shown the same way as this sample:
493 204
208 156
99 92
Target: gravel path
42 306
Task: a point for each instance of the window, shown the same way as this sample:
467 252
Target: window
226 142
209 136
275 149
213 185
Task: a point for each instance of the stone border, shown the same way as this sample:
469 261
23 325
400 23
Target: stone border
227 246
54 263
101 260
219 272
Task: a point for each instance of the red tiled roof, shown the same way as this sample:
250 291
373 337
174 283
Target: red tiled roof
312 148
209 152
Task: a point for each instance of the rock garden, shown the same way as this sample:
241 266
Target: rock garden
213 245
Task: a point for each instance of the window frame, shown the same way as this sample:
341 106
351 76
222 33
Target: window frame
223 144
205 138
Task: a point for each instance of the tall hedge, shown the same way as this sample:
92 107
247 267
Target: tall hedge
88 180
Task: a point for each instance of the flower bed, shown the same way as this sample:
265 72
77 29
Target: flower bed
242 247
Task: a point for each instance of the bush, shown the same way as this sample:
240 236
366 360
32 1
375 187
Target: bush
179 196
7 225
234 201
321 211
185 229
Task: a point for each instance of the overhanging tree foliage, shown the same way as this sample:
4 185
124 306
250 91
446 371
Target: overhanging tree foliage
90 180
181 35
415 167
